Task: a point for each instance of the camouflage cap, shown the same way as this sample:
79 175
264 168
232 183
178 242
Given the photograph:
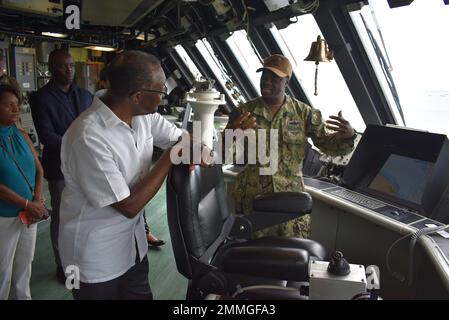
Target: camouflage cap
279 64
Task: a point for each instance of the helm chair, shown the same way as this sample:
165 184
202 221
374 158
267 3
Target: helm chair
214 248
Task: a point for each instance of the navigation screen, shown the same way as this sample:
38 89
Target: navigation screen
402 177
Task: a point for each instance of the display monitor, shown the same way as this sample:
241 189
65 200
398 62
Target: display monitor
402 178
404 167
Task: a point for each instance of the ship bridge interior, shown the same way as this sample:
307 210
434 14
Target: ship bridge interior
381 64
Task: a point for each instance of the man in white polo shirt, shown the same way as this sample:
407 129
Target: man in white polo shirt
106 156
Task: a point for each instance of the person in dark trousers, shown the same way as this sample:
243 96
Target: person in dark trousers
54 107
106 160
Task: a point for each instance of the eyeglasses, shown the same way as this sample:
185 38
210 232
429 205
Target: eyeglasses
162 93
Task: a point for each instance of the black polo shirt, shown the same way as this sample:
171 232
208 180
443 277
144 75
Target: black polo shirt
53 111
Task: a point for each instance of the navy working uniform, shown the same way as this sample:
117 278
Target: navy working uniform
295 122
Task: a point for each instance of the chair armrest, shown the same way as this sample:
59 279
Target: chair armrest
268 262
283 202
271 209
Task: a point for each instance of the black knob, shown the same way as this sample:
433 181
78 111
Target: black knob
338 265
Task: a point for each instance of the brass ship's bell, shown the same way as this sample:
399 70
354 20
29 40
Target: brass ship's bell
319 52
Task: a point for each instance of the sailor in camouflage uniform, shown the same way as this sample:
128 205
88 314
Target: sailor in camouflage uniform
295 122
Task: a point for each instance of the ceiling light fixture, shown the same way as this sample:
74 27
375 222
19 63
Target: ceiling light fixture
101 48
54 34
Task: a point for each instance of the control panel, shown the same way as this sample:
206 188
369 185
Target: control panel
23 67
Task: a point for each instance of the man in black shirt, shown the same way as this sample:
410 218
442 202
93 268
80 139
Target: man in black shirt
54 107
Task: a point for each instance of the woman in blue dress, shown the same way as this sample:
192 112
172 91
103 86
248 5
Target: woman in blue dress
21 185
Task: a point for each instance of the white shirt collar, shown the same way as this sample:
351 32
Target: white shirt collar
108 117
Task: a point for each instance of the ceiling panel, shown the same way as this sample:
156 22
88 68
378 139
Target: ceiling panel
116 12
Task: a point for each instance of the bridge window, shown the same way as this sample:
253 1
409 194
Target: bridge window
188 61
408 50
333 93
220 71
246 56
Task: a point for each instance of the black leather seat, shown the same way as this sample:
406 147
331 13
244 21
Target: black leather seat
213 248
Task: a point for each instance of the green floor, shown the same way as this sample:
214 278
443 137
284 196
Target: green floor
166 283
